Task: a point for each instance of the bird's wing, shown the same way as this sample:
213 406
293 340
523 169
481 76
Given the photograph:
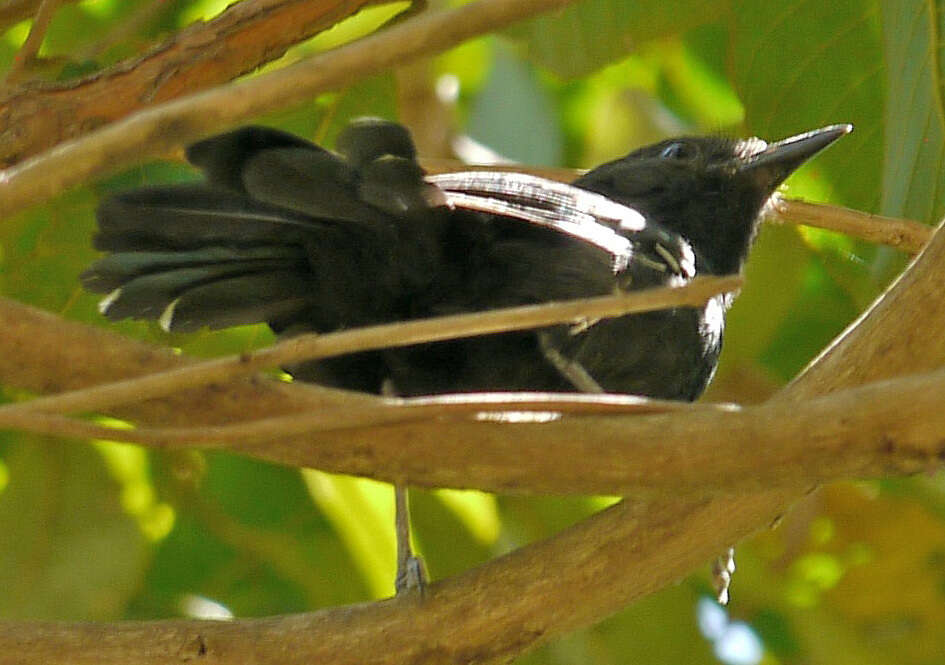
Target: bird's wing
581 214
643 253
222 158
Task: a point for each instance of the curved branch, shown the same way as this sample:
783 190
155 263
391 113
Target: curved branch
245 36
489 614
881 428
157 130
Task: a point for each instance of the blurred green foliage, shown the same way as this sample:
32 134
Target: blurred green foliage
855 575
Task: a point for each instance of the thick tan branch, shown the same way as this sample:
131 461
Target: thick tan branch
887 427
489 614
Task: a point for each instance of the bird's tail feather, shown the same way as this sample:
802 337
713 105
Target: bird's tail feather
192 256
181 217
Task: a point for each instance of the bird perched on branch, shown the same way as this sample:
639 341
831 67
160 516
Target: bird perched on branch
285 232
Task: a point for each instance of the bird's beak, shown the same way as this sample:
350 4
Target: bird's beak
777 161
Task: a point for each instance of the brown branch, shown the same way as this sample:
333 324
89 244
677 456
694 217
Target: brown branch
489 614
881 428
156 131
14 11
903 234
37 117
498 610
27 53
313 346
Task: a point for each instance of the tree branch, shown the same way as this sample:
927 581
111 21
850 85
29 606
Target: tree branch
903 234
14 11
248 34
157 130
27 53
639 449
313 346
501 609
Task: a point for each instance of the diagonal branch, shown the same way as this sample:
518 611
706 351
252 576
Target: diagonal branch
27 53
14 11
313 346
903 234
159 129
245 36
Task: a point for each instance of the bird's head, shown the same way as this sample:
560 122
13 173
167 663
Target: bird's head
709 189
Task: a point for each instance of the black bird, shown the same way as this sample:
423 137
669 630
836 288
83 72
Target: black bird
285 232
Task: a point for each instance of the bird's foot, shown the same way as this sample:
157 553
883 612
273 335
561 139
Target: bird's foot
411 576
722 571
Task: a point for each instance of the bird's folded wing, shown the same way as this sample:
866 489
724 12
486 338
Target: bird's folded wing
579 213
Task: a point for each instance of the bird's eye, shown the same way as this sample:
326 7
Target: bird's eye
676 150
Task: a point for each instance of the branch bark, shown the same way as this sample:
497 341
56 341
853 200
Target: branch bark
499 610
642 449
159 129
38 116
406 333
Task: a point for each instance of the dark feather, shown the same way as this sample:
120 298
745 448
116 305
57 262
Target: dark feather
254 298
313 183
192 216
113 270
222 157
367 139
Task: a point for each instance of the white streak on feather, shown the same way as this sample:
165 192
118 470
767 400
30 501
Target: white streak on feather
167 316
108 301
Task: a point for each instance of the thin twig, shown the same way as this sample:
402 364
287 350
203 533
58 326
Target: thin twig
27 53
14 11
311 346
494 407
903 234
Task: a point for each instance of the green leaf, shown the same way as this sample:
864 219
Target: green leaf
514 116
800 65
913 175
589 35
